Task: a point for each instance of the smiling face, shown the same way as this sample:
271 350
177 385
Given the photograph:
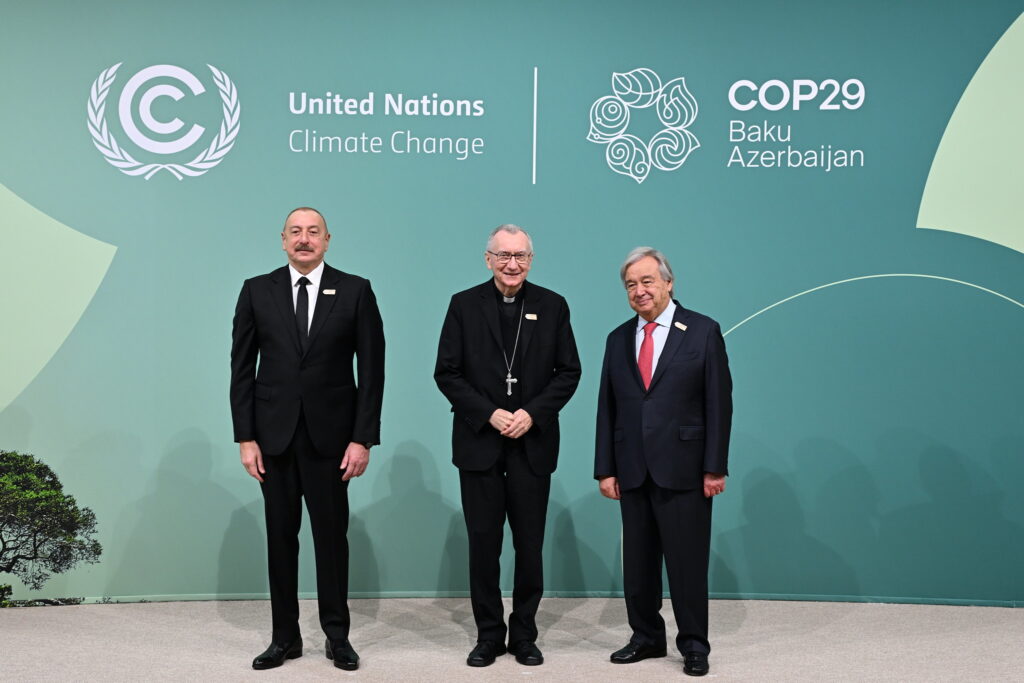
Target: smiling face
305 239
510 275
648 292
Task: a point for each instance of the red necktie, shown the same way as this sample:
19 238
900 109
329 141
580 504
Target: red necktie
646 359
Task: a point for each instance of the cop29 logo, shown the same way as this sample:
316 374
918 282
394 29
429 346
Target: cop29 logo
163 146
667 149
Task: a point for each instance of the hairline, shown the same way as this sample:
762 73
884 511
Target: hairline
511 229
640 253
306 208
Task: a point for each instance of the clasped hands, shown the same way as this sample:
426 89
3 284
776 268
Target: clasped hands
512 425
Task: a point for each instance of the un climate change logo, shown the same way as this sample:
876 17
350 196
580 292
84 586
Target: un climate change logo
127 108
668 148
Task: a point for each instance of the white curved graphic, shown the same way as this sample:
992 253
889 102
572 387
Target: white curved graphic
121 159
637 88
609 118
872 277
974 183
669 148
125 109
39 309
628 155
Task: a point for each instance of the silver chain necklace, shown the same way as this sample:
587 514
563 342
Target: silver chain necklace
509 379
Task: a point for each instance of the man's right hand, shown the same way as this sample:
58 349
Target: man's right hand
252 459
500 419
609 487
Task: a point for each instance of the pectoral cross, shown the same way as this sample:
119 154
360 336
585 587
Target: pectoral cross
510 380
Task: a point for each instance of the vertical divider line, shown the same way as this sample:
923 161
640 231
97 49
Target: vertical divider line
534 125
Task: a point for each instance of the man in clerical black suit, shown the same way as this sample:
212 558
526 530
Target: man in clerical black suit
507 362
304 422
663 418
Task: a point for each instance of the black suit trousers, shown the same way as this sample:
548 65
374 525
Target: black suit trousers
300 473
662 523
508 489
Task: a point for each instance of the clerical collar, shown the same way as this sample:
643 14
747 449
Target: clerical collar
509 299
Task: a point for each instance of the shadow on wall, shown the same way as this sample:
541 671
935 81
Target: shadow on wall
582 549
242 566
772 552
414 523
957 543
166 541
918 521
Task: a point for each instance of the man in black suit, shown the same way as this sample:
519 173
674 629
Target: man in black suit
507 362
663 418
304 422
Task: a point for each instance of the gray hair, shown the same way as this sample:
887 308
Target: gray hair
512 230
664 269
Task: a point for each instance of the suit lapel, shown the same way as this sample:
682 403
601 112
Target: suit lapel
672 344
324 303
629 344
281 291
530 299
490 311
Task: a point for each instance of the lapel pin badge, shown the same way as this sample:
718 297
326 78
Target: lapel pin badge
681 326
329 292
531 316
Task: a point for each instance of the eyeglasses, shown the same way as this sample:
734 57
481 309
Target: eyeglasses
521 257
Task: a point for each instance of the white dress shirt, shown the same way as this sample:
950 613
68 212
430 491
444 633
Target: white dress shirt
660 333
313 288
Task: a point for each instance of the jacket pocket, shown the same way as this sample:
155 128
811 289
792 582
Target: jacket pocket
691 433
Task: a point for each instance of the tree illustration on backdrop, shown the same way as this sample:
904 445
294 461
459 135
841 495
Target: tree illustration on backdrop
43 531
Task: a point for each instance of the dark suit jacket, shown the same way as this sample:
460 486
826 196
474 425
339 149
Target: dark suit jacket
338 408
470 369
679 428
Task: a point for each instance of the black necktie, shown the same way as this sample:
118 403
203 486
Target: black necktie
302 312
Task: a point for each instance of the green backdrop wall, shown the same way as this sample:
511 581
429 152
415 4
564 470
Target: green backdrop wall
873 306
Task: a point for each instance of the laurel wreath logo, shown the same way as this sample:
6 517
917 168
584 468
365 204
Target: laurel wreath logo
121 159
669 148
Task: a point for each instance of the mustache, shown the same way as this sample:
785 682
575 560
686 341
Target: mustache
303 247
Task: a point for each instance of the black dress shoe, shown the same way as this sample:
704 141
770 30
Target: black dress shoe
636 653
485 652
342 653
527 653
275 655
695 664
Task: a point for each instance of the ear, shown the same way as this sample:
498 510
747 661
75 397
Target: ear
487 261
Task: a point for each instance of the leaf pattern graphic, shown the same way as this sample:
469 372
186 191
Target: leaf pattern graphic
670 147
676 106
637 88
628 155
676 110
609 118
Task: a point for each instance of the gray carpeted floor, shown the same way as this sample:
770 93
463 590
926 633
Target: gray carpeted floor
428 639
